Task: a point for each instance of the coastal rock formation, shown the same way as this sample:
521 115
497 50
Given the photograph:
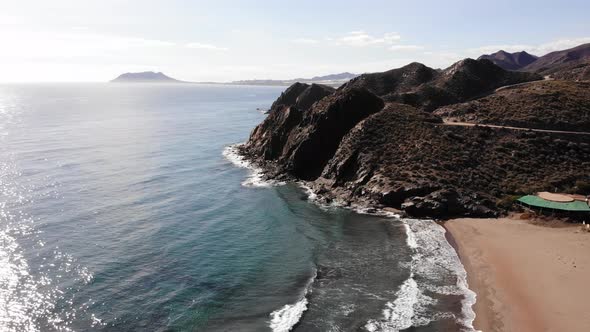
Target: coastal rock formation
427 89
302 142
301 95
510 61
289 96
355 148
554 105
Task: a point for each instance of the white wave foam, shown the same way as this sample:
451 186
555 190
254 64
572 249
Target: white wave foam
284 319
256 177
433 258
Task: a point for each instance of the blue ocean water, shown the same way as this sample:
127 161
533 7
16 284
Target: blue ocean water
123 208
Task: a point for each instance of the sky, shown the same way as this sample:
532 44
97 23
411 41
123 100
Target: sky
223 40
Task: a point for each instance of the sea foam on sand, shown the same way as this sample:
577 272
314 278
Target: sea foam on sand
432 257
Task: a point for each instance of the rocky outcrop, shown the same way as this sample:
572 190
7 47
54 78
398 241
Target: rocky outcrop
268 138
288 97
301 95
302 142
510 61
313 94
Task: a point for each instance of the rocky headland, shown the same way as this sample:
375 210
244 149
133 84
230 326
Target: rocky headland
389 140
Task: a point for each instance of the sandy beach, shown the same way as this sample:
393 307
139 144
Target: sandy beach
527 277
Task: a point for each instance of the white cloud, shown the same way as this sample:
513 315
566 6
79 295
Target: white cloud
362 39
203 46
305 41
408 48
29 45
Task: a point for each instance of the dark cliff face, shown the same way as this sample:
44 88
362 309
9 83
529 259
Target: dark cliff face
312 94
301 95
289 96
302 142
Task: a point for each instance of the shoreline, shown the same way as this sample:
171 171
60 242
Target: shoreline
527 277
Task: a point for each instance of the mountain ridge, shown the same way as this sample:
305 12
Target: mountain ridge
510 61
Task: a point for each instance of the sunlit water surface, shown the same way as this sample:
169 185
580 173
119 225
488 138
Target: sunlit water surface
122 208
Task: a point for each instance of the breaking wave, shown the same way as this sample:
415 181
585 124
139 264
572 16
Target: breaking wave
256 177
433 257
284 319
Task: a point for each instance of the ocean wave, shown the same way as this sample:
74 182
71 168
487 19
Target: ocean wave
433 258
256 177
284 319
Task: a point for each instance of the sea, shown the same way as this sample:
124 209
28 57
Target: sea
125 207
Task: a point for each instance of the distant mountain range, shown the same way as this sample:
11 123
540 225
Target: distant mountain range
158 77
332 80
571 64
510 61
145 77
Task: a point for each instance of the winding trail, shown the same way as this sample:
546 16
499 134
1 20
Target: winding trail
468 124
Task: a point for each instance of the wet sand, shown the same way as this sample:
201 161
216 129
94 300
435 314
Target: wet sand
527 277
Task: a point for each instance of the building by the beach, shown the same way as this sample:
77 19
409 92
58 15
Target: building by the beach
565 204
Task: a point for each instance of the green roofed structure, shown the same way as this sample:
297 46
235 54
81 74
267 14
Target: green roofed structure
538 202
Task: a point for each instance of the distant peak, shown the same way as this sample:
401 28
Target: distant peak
145 77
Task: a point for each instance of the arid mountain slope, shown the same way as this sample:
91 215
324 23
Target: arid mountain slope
428 89
556 105
557 60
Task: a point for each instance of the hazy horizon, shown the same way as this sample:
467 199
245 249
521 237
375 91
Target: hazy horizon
95 41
